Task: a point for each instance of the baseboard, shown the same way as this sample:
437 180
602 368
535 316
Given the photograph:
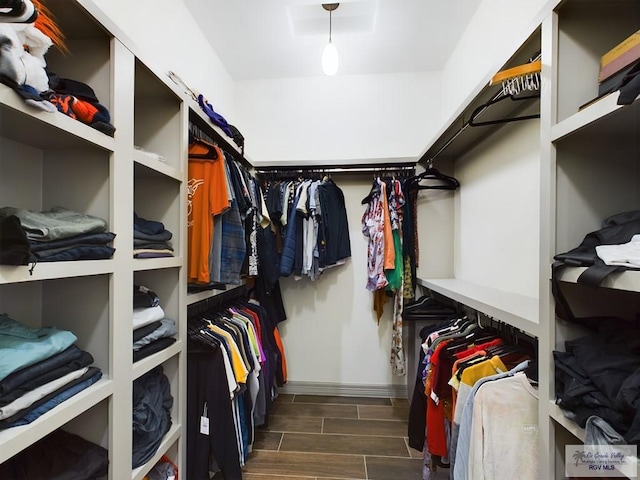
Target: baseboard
344 390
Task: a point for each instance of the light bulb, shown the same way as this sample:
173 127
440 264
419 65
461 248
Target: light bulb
330 59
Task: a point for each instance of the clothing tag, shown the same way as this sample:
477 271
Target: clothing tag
204 421
204 425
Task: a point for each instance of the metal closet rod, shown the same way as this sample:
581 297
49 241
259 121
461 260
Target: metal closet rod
224 298
199 133
377 168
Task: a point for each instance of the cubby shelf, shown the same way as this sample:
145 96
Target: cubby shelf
51 270
628 280
148 164
149 363
45 130
590 114
169 439
16 439
142 264
555 412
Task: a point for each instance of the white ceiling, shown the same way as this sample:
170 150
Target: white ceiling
257 39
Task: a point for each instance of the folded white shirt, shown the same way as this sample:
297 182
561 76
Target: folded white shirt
624 255
29 398
145 316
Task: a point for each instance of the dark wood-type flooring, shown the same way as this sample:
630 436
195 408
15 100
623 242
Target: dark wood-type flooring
321 437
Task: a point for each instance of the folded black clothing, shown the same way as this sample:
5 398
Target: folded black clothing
101 238
145 330
78 252
153 347
149 227
68 86
144 298
145 244
163 236
14 246
104 127
61 456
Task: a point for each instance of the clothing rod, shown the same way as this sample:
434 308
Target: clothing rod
197 308
211 136
338 169
457 134
200 134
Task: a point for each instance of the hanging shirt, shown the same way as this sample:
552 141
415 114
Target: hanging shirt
207 197
389 250
373 228
504 430
396 203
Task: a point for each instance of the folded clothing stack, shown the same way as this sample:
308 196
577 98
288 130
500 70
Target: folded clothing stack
150 239
58 455
152 331
599 375
152 403
78 101
40 368
55 235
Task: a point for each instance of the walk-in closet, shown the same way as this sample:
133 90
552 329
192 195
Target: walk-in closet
371 240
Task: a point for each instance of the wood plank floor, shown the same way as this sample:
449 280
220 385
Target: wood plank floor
331 438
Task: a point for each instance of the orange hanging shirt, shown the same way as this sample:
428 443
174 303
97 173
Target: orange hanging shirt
207 196
389 251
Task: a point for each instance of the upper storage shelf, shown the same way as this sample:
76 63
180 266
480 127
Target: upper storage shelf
157 115
89 45
45 130
517 310
458 136
587 29
199 119
88 60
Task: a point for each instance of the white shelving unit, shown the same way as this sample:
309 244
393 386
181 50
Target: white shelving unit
50 159
563 174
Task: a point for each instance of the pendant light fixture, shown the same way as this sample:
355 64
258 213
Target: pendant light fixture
330 58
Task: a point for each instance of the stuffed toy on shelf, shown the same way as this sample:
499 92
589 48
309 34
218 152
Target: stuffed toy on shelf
23 47
23 67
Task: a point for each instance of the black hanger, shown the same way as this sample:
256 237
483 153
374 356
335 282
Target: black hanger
445 182
484 107
375 190
210 154
196 134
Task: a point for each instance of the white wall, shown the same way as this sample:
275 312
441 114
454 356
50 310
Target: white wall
496 30
356 117
500 187
332 335
167 37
